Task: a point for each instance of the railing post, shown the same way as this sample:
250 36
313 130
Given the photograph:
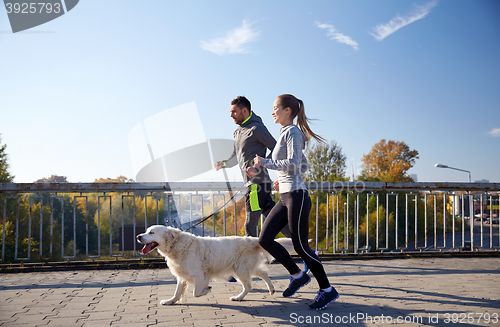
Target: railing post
123 222
86 225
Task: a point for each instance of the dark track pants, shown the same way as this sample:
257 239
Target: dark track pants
292 208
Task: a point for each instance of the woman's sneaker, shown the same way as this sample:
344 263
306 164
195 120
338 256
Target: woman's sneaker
323 299
296 284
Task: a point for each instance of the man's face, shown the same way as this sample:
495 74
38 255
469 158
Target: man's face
238 115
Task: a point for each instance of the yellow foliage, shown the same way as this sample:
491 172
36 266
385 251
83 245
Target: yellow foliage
389 161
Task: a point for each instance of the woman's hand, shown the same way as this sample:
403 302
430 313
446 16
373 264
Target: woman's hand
251 172
257 161
276 186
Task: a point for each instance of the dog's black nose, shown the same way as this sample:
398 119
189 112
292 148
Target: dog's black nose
138 237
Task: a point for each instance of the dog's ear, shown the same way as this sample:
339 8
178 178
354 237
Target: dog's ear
170 234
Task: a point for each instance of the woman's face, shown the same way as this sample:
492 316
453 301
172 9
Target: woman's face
280 114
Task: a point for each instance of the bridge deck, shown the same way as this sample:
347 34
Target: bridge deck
424 291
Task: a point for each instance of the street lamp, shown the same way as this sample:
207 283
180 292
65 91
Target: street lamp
445 166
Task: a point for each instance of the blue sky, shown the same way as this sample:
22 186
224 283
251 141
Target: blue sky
423 72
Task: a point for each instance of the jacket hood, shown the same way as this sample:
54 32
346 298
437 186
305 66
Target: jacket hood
253 119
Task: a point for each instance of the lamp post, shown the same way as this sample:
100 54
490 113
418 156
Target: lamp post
445 166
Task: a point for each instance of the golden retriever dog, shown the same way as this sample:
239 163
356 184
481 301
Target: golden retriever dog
197 260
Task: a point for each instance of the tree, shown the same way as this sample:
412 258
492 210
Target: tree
5 176
53 179
119 179
388 162
326 161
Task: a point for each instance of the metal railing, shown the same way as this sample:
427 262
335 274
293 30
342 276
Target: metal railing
347 217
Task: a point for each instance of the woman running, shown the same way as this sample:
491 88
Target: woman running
294 204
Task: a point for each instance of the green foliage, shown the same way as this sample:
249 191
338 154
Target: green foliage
119 179
5 176
9 240
53 179
326 161
86 216
342 221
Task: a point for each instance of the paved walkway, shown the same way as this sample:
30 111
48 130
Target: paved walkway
405 292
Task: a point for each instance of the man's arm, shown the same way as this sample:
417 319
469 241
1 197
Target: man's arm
228 163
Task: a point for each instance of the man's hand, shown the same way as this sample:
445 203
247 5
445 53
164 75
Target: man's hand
218 165
276 186
251 172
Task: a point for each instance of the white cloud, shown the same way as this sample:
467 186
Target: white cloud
234 41
333 34
382 31
495 132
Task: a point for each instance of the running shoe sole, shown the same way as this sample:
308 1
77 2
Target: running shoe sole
323 307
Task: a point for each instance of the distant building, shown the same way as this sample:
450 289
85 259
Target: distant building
482 181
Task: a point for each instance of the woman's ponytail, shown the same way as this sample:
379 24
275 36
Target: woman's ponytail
297 107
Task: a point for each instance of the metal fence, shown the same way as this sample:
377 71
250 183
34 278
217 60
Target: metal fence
347 217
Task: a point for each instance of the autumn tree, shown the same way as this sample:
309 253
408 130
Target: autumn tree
326 162
388 161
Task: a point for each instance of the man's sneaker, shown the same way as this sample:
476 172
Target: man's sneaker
323 299
296 284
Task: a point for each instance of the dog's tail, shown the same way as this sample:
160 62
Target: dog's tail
286 243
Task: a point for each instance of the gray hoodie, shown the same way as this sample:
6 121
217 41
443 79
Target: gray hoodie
251 138
288 159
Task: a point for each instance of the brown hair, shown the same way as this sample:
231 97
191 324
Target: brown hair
297 108
242 102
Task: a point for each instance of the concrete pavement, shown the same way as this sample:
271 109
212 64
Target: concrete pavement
403 292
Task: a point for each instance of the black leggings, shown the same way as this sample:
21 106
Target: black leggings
292 208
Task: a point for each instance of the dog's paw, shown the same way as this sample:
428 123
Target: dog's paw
236 298
168 302
272 292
